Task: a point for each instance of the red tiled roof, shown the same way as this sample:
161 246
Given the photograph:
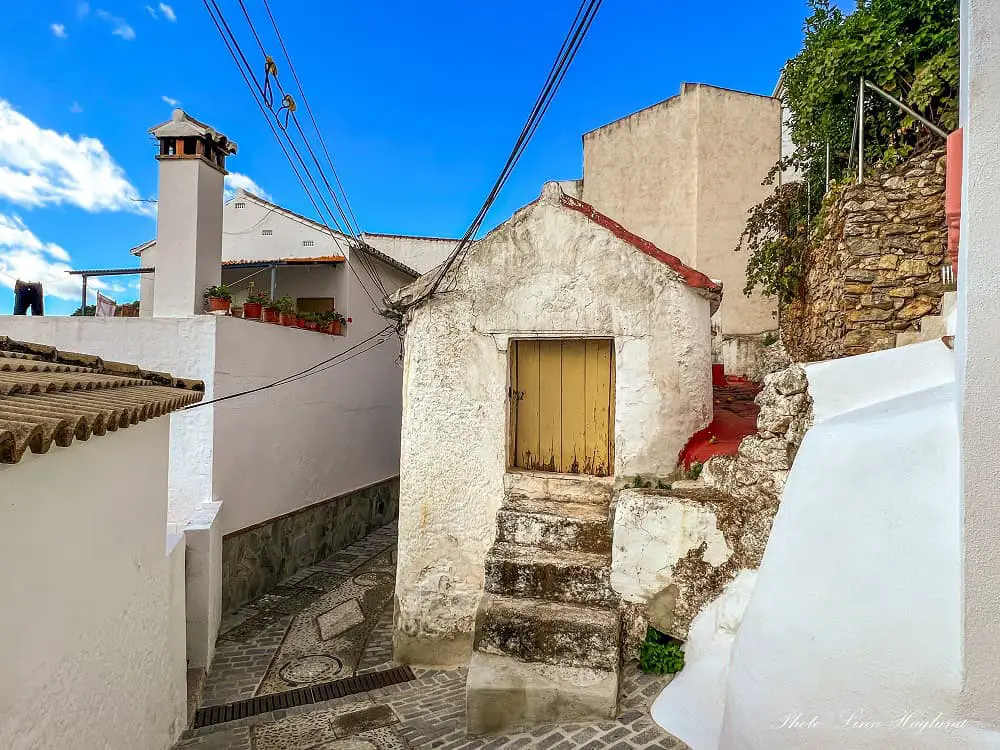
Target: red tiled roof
693 278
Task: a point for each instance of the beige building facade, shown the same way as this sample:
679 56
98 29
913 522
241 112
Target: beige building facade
683 174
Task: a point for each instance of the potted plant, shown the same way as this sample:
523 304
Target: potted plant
254 305
311 321
270 312
219 298
236 311
336 324
286 311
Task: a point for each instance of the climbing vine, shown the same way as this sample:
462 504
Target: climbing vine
909 48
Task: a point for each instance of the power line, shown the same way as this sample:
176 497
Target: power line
567 52
319 367
232 45
367 267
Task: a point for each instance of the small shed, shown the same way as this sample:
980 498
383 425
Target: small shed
561 345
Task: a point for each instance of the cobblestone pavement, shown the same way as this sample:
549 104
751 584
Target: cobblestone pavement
345 598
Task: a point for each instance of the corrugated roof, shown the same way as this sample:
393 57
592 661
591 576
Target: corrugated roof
51 397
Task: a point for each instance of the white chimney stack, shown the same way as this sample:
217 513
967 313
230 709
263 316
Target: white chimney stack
189 214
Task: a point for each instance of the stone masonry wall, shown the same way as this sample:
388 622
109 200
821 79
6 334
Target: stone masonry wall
674 551
874 269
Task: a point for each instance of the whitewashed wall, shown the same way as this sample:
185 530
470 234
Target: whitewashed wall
184 347
525 280
419 253
93 630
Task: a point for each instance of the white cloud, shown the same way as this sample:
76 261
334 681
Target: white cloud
168 12
171 102
76 108
24 256
59 31
42 167
150 10
121 27
236 181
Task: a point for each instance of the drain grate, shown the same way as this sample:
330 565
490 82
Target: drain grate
262 704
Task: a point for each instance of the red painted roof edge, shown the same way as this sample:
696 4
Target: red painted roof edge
693 278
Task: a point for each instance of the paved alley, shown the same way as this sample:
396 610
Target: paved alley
334 620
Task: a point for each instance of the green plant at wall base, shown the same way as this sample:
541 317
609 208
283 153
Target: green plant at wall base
660 654
661 485
637 482
770 339
695 471
258 298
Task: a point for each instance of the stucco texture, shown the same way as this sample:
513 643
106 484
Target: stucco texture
93 632
683 174
548 272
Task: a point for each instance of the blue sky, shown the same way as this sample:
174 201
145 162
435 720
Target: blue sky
419 102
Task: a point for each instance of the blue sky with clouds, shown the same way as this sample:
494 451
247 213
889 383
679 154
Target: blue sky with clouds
419 102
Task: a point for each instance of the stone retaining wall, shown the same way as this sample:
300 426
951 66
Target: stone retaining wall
256 559
675 550
874 270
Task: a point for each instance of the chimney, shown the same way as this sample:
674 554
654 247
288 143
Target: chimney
189 214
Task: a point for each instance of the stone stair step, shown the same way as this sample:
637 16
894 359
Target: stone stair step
504 694
539 525
574 577
535 630
561 488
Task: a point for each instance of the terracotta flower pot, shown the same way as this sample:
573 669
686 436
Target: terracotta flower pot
312 325
269 315
215 304
288 319
300 322
236 312
251 310
335 328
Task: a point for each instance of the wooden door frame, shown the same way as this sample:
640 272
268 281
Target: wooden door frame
511 417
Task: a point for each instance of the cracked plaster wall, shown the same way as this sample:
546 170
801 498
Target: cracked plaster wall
547 272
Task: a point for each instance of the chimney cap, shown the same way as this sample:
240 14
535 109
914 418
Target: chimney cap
182 125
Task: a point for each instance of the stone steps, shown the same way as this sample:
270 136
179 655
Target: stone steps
534 630
560 488
583 528
563 576
547 630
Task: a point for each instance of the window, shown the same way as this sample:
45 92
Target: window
308 243
241 204
266 232
315 304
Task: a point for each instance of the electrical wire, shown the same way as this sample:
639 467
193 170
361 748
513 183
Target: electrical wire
567 53
232 45
344 216
322 366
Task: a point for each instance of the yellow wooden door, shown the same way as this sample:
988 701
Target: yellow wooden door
562 406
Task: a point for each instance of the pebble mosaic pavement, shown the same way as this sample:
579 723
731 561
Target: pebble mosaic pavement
334 620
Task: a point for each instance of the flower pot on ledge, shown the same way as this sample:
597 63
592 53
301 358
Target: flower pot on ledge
287 319
236 311
252 310
269 315
218 304
335 328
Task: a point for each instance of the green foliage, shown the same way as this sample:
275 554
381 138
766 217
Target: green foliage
219 292
258 298
770 338
90 311
660 654
285 304
661 485
695 471
909 48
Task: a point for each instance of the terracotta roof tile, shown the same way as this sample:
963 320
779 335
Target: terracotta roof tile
50 397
